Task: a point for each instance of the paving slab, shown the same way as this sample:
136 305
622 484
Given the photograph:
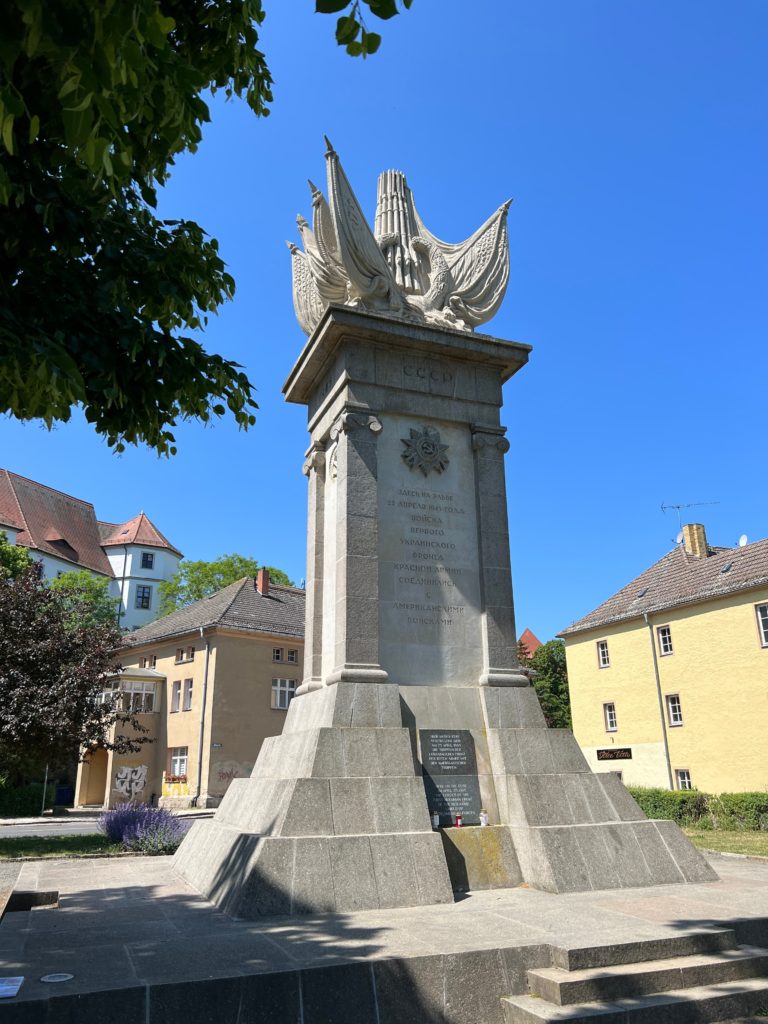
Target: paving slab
142 942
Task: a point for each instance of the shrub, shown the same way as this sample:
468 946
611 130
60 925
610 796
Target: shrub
686 807
23 801
143 829
739 812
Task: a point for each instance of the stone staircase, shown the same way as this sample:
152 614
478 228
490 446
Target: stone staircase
686 979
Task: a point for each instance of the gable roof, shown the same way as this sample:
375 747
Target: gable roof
52 522
239 606
680 579
530 642
139 530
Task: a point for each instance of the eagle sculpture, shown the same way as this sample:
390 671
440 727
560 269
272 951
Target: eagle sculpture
400 269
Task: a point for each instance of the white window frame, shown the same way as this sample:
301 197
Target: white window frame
664 640
186 704
277 654
283 691
175 696
178 761
761 612
683 779
609 717
189 654
143 593
674 710
293 657
147 555
153 661
136 697
603 656
179 656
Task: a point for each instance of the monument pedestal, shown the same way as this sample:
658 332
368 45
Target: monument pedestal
413 700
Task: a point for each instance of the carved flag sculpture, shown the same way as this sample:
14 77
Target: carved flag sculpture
400 268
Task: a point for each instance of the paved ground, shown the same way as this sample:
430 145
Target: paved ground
132 921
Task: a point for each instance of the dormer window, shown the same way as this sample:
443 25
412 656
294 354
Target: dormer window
147 560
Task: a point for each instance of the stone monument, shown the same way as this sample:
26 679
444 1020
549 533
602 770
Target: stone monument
413 704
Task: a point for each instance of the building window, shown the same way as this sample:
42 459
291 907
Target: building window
134 697
184 654
277 654
178 763
143 597
293 657
683 777
142 662
190 654
187 705
153 661
179 655
603 660
282 693
609 714
619 775
147 560
762 623
176 695
664 634
674 709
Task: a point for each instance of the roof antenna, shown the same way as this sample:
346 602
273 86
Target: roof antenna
677 508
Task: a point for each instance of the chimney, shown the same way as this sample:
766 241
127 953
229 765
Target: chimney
695 540
262 581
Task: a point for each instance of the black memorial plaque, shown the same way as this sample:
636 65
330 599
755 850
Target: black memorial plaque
450 774
615 754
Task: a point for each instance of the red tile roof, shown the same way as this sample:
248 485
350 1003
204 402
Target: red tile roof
139 530
530 642
52 522
680 579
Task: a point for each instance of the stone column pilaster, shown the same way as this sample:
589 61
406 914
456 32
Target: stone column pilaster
356 643
501 665
314 470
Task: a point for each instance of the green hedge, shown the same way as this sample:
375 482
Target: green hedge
732 812
24 801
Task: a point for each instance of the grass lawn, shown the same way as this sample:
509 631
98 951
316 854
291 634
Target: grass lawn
753 843
56 846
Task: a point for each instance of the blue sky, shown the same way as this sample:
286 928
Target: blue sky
632 135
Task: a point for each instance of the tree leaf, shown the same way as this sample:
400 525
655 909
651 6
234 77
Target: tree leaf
347 29
383 9
371 42
8 133
330 6
34 127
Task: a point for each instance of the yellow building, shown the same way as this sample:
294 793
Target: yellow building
669 677
209 682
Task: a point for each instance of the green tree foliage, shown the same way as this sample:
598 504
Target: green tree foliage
351 30
52 674
551 683
86 599
97 294
195 580
13 560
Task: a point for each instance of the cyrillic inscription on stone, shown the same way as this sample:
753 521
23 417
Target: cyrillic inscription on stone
450 774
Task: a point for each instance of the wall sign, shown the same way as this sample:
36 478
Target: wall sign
615 754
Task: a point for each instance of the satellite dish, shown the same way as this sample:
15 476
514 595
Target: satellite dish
679 538
743 540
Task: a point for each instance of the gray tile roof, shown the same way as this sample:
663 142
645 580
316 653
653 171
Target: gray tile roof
238 606
679 579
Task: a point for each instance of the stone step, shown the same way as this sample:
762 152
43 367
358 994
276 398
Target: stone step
651 976
702 1005
708 940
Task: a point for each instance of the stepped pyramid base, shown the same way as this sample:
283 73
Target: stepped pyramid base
334 817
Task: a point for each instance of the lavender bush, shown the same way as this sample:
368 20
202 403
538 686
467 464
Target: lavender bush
143 829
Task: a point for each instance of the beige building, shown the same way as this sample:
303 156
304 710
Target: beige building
669 677
209 682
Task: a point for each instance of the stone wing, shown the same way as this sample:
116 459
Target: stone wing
329 276
479 268
307 303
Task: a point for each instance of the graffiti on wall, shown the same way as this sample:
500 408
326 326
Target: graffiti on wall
223 772
129 782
